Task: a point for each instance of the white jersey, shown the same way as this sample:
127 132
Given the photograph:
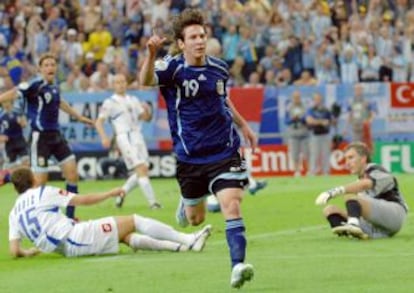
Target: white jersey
37 215
123 113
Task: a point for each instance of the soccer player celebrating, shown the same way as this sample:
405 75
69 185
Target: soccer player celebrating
36 215
44 101
375 207
11 132
126 113
202 123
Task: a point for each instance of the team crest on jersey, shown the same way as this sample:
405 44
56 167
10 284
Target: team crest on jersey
220 87
160 65
63 192
106 227
41 161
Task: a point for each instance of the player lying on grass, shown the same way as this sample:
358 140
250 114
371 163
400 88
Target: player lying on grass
37 216
375 207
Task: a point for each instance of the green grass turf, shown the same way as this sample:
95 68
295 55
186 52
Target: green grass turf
289 244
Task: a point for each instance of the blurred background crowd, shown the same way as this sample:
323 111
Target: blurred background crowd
265 42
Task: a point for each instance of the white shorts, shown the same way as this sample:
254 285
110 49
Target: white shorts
133 149
93 237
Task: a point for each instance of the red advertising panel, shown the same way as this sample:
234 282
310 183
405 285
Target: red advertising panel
274 160
402 95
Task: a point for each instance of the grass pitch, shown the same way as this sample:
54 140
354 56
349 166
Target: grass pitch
289 244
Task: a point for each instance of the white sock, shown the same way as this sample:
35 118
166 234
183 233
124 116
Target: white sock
252 182
146 188
353 221
131 183
161 231
147 243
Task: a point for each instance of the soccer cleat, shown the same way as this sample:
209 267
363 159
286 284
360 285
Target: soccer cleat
201 238
180 215
182 248
155 206
350 230
259 185
119 201
241 273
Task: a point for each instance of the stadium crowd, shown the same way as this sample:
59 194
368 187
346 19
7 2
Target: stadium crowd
265 42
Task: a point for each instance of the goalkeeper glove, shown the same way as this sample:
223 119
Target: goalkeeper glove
327 195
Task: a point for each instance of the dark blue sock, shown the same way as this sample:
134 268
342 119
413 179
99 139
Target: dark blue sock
236 240
7 178
70 210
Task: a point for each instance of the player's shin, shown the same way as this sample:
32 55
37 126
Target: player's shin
161 231
147 243
70 210
236 240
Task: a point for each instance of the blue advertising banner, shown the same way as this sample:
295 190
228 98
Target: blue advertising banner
84 138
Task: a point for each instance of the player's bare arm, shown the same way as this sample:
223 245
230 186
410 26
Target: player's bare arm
9 95
99 125
90 199
146 76
17 251
248 134
64 106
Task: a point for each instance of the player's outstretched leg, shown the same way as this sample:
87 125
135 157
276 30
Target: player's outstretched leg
180 215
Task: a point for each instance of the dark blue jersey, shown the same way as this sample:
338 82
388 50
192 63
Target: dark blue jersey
9 125
42 104
200 120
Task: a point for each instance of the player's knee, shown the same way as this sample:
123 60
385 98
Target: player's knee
330 209
196 220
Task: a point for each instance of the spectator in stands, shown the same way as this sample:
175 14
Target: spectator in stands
72 53
89 67
247 51
230 41
348 66
306 78
91 14
360 115
297 132
327 73
99 40
370 65
102 78
318 118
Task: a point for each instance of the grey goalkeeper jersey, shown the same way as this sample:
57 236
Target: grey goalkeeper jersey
385 185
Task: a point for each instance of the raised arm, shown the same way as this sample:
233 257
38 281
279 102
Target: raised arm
90 199
64 106
248 134
146 76
9 95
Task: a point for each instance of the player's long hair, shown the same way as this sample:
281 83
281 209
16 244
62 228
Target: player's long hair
22 179
189 16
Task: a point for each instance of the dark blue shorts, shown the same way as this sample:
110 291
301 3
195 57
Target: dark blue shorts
199 180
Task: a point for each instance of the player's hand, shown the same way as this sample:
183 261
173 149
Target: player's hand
327 195
322 198
249 136
86 120
106 142
117 192
154 43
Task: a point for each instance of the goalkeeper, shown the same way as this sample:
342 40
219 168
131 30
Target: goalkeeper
375 208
